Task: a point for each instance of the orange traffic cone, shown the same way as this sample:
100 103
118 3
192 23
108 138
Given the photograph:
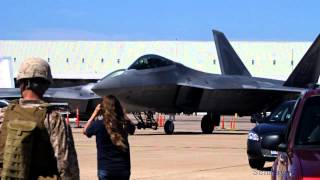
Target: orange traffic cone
235 121
77 119
160 121
222 122
231 123
67 118
163 120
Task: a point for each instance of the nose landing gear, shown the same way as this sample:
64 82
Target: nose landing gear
147 122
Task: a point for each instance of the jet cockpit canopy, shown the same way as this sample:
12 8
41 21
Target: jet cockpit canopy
150 61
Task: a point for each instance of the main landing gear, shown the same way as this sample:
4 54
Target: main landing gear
146 120
209 121
169 125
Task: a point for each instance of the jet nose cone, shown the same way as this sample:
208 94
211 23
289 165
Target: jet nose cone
106 87
110 84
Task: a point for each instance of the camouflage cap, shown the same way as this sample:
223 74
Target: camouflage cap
35 68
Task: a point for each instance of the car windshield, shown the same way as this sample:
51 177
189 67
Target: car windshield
282 114
309 125
150 61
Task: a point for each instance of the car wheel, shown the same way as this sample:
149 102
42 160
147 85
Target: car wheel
256 163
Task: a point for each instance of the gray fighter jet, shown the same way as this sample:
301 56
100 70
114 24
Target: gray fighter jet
154 83
78 97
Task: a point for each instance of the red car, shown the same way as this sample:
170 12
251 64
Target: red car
299 147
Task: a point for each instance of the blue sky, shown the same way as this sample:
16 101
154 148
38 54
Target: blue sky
284 20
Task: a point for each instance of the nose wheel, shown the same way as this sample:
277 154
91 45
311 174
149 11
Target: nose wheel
131 128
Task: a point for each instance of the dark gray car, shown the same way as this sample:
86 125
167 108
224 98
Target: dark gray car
276 122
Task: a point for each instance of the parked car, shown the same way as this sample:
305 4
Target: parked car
275 122
299 147
3 103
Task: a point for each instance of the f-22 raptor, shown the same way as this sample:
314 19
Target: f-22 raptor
78 97
154 83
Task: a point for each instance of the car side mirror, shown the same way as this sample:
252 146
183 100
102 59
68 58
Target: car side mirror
272 142
282 147
256 118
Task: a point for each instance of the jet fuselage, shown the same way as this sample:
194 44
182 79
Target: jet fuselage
177 88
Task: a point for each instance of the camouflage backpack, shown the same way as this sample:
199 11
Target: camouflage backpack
16 140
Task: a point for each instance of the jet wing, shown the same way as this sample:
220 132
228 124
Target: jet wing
76 97
244 87
9 93
68 93
244 100
52 93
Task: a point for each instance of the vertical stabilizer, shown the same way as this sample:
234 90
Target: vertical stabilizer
308 70
230 63
6 73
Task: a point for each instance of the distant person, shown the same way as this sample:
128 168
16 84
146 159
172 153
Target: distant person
35 142
108 124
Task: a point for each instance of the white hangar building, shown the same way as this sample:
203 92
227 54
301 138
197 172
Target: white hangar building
95 59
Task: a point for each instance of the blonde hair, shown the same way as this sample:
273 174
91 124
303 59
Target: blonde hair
115 121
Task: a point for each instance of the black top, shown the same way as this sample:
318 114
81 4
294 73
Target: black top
110 157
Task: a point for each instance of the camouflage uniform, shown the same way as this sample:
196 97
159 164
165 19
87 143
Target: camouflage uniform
2 110
61 140
59 133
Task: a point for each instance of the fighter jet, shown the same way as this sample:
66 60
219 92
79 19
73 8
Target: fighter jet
155 83
78 97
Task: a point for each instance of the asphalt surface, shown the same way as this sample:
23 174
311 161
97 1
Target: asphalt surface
187 154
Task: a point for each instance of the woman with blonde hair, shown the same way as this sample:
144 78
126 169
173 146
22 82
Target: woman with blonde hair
108 124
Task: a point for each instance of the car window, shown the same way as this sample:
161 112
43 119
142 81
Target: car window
309 125
276 117
293 113
282 113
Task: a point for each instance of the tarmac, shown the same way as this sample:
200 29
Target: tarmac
187 154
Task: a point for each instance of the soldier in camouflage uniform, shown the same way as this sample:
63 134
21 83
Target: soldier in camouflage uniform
34 78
